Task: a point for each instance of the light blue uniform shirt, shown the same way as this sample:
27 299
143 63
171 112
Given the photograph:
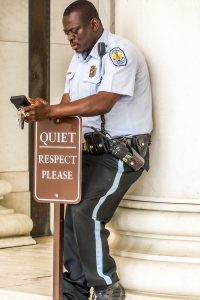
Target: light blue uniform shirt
123 70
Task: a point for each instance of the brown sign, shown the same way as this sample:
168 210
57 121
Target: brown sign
57 157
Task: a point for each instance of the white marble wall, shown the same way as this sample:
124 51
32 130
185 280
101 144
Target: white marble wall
14 81
14 215
167 32
107 14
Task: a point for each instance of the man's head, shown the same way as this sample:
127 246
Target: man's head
82 25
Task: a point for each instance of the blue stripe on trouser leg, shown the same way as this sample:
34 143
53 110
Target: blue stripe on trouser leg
99 253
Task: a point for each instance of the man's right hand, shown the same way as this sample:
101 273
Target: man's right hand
38 110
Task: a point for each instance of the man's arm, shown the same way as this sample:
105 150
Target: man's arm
93 105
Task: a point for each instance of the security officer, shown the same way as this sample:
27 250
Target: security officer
107 83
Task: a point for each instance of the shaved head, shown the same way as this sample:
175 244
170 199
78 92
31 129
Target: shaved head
86 9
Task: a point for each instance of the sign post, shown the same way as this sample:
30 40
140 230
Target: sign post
57 178
58 251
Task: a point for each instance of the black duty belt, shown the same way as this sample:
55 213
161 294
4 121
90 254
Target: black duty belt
96 144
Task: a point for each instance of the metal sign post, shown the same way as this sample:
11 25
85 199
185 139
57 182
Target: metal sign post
58 251
57 178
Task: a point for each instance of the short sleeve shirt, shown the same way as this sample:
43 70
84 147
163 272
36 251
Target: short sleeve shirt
121 70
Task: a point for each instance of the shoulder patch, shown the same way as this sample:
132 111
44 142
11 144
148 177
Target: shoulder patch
118 57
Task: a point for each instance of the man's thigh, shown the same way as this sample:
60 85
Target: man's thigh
105 181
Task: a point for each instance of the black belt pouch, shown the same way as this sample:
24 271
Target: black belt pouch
96 143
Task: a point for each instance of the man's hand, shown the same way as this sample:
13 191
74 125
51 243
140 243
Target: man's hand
38 110
93 105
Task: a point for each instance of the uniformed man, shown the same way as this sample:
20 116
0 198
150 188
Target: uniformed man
107 83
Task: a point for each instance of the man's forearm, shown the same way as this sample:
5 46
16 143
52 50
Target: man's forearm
89 106
93 105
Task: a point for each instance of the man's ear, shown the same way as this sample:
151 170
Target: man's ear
95 24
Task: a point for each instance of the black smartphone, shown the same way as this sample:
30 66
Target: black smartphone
19 101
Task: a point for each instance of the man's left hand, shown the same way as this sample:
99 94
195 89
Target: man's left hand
38 110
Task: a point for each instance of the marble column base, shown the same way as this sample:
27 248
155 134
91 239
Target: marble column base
15 230
15 225
157 250
5 211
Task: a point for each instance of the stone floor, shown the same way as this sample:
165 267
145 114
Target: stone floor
26 272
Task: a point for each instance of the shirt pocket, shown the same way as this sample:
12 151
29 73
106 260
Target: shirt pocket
91 84
70 75
69 79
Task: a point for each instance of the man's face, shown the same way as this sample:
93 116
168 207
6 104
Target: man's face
79 33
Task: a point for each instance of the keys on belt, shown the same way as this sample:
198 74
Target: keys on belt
91 149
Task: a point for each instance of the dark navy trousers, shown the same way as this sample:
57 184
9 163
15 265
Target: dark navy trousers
105 180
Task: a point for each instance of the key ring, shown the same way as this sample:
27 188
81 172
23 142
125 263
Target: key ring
21 117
